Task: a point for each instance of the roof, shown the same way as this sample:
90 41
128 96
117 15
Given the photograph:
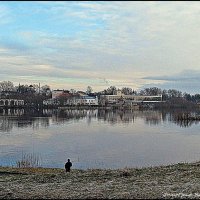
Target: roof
88 97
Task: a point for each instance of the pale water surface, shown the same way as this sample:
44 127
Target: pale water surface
98 138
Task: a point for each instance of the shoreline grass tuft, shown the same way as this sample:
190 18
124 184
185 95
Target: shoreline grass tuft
29 160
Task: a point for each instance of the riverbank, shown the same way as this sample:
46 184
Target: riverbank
173 181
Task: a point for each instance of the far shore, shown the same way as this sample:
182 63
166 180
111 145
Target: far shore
180 180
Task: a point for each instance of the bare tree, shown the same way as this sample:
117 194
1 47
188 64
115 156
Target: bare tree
111 90
127 91
174 93
6 86
151 91
89 90
73 91
45 90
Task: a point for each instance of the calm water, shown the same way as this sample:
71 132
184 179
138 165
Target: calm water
98 138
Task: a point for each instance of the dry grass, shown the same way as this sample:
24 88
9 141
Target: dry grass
173 181
29 160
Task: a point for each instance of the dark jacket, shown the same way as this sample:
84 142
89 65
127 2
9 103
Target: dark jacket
68 165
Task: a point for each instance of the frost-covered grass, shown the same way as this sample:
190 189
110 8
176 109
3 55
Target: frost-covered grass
173 181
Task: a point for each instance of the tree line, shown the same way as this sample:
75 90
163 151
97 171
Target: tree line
35 94
154 91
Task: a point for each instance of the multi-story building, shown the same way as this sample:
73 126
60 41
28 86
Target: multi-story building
118 96
87 100
81 100
51 102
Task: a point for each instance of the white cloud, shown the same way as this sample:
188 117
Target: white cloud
117 41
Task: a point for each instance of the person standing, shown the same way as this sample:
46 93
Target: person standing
68 164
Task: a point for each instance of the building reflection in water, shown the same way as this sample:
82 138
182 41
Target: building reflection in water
22 118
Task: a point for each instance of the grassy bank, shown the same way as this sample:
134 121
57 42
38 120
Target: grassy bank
174 181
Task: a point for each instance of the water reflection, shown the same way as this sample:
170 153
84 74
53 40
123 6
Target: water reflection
99 138
174 116
22 118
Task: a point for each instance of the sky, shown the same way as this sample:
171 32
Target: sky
75 44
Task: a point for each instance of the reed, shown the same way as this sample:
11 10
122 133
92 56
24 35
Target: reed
29 160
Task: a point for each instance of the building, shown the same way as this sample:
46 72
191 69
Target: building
87 100
72 100
119 97
65 98
77 100
59 93
49 102
11 102
81 93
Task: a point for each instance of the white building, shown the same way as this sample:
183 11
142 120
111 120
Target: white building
119 96
87 100
51 102
11 102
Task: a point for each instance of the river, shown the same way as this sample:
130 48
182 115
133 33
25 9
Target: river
98 138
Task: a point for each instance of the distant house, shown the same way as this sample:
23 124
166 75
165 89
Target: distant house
11 102
58 96
49 102
59 93
78 100
87 100
65 98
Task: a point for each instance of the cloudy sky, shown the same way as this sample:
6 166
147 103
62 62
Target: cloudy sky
126 44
